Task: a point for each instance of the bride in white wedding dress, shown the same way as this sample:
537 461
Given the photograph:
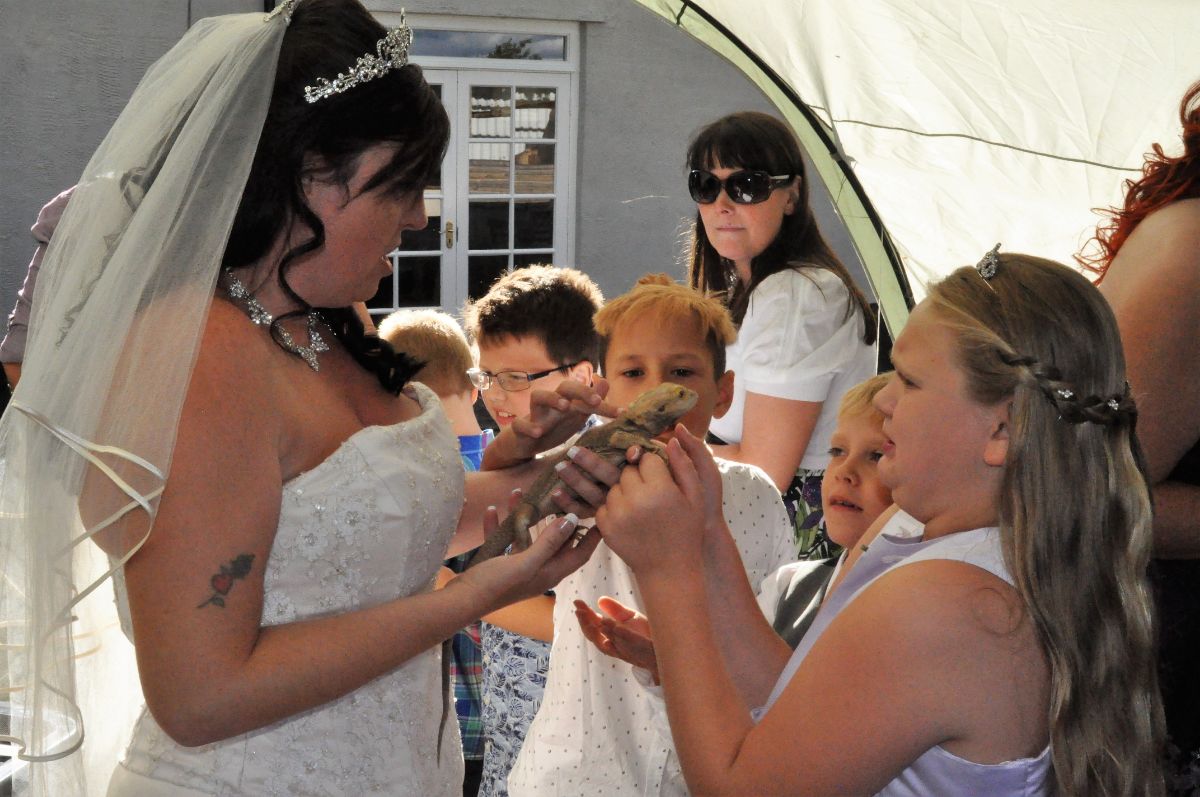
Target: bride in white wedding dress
271 490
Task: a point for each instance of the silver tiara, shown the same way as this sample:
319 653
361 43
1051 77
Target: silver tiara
285 8
391 52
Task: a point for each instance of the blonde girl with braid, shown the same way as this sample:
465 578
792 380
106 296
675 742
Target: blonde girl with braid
994 637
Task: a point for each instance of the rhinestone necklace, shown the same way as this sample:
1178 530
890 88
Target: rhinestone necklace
260 317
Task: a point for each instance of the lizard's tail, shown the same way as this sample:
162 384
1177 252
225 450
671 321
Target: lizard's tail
514 528
447 688
496 543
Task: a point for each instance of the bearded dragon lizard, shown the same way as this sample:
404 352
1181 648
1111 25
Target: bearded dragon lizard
648 416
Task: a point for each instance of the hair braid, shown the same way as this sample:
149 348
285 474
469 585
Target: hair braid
1114 410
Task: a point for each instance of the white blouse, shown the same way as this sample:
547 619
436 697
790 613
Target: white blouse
796 342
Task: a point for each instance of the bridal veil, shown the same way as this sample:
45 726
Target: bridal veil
86 443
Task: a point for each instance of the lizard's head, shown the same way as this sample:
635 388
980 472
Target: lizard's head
659 407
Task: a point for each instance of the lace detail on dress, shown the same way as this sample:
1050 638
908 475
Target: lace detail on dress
369 524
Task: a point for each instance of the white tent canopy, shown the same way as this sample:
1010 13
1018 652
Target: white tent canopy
963 123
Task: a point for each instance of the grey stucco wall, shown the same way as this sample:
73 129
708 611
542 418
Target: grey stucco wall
69 66
645 88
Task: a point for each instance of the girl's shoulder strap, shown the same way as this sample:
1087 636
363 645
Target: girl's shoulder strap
978 547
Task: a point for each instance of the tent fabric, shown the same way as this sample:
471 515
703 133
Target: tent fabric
967 123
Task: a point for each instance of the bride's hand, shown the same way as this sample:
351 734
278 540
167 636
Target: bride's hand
557 552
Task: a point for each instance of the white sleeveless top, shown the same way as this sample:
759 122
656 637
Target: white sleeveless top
936 771
369 524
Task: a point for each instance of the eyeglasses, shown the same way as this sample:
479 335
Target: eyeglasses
512 381
744 187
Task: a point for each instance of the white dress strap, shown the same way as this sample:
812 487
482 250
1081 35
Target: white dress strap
894 547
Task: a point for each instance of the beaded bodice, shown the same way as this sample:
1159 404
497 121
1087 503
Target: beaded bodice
368 524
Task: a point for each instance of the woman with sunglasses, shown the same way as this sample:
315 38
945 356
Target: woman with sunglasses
805 331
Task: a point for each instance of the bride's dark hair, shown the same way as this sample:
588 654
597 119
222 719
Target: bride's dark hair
325 38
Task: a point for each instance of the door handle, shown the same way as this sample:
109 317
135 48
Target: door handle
449 231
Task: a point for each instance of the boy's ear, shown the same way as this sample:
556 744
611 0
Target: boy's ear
583 373
474 395
724 394
995 452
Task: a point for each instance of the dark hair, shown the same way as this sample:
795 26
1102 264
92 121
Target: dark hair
325 38
555 305
752 140
1164 180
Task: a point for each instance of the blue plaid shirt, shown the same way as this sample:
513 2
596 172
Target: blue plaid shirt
466 667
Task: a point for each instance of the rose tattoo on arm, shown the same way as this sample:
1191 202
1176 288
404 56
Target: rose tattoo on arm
222 581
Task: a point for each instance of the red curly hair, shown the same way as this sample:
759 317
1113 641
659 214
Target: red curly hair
1164 180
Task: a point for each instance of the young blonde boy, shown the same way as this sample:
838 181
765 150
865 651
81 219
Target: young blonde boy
437 340
595 732
852 497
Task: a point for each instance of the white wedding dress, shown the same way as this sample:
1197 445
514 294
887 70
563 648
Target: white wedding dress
369 524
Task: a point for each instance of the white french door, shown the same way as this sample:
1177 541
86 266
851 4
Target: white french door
503 197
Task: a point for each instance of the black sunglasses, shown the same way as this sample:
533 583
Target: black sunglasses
744 187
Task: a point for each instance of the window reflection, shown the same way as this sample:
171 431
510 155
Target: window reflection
533 259
534 169
488 168
535 112
491 112
485 44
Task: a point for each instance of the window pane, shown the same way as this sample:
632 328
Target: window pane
535 112
538 259
488 225
383 296
483 271
488 171
418 281
491 112
535 169
483 44
534 228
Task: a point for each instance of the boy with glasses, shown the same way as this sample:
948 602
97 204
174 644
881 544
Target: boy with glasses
533 330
